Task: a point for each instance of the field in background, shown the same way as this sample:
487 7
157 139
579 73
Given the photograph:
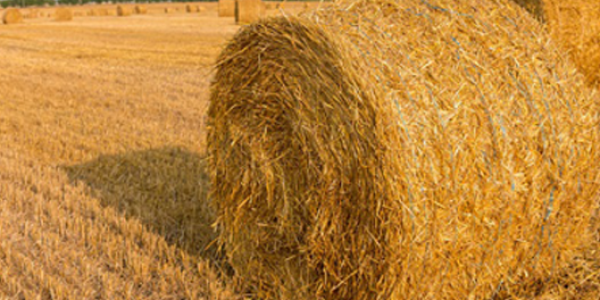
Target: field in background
103 189
102 181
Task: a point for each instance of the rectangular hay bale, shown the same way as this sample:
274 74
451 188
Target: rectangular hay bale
248 11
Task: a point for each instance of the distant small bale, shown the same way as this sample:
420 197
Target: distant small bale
248 11
169 10
201 9
63 14
78 14
12 16
191 8
227 8
140 10
123 11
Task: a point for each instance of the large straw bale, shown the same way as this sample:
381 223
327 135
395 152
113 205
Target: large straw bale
63 14
140 10
123 11
575 24
227 8
12 16
438 149
248 11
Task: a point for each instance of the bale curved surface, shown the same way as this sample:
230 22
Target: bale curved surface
63 14
12 16
403 149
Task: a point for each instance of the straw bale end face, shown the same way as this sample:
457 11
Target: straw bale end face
12 16
297 222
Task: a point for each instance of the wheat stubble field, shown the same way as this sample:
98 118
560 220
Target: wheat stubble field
103 178
102 186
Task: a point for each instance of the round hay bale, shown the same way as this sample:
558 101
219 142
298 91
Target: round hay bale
452 159
62 14
191 8
12 16
140 10
201 9
123 11
78 14
227 8
248 11
168 10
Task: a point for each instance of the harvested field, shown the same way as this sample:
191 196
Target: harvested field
104 177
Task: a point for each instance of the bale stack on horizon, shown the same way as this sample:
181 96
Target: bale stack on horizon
400 150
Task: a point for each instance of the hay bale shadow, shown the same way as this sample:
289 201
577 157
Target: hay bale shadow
166 189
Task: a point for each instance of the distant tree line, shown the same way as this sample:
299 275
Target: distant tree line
25 3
